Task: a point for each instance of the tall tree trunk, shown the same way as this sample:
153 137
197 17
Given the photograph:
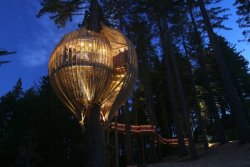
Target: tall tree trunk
211 100
127 115
223 111
150 104
95 17
184 108
94 146
148 91
116 143
196 103
170 86
244 104
128 144
143 163
234 101
142 47
163 116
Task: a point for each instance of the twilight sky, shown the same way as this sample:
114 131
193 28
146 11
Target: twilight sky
34 40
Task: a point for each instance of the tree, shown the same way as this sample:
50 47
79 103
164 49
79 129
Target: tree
170 86
243 10
239 70
36 130
233 98
168 48
62 11
194 92
5 52
211 99
12 127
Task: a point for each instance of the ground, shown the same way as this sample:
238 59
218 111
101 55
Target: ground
228 155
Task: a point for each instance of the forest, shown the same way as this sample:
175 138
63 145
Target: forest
192 85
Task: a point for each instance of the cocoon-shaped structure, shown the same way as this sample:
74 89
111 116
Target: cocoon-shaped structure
88 68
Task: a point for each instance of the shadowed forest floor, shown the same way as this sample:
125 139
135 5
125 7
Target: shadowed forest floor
228 155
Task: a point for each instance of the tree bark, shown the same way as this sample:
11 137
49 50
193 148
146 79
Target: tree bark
163 116
116 143
94 137
143 151
95 17
170 86
149 94
142 47
211 100
181 95
94 134
234 101
196 103
128 144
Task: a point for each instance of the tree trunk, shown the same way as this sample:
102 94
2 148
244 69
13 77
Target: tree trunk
196 103
211 100
163 116
170 86
128 144
143 151
223 109
94 136
94 19
142 47
181 95
149 94
234 101
116 143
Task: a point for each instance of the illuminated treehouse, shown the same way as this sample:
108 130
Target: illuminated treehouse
93 71
90 69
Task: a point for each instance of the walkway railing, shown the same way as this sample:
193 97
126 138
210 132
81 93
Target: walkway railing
146 129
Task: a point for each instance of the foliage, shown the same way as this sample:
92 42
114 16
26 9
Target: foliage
36 130
243 10
62 11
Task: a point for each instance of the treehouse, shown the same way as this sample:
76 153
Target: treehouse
88 68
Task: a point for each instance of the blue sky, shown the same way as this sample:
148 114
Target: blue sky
34 40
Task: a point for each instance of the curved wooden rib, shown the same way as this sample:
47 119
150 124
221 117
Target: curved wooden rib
88 68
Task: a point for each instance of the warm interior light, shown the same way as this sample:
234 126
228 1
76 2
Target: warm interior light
122 49
212 144
93 68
